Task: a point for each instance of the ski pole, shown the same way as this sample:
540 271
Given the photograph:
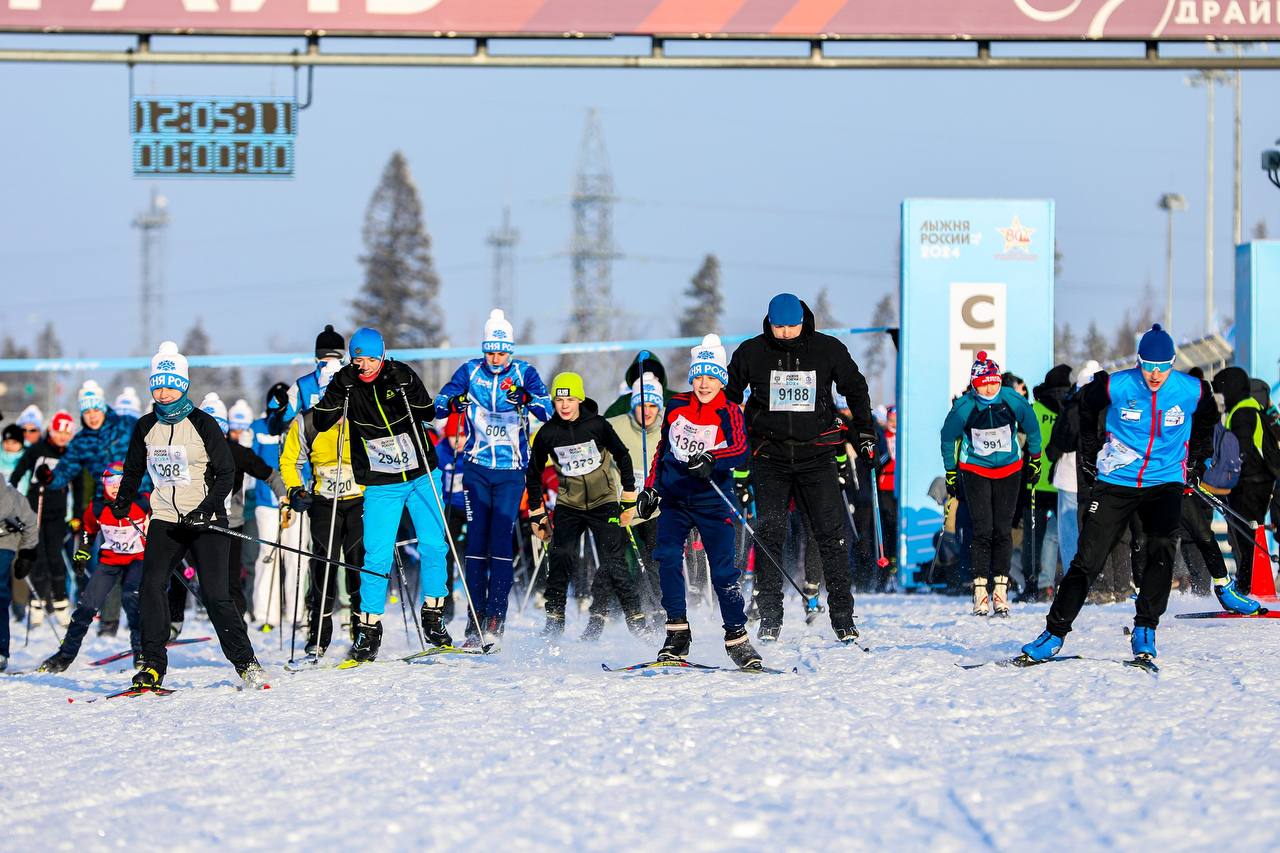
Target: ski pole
755 538
1035 552
444 523
644 427
298 551
533 579
881 560
49 619
1242 525
404 593
277 587
333 524
297 594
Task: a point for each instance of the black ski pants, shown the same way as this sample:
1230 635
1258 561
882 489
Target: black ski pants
1250 500
167 544
49 575
1197 519
570 525
992 504
816 490
348 546
1106 517
235 582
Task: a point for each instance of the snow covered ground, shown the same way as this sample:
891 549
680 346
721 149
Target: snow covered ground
537 749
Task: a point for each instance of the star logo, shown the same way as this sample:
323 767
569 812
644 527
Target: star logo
1017 236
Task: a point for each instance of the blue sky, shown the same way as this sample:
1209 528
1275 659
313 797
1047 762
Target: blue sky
792 177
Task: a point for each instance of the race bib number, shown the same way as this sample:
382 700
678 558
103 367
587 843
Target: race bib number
985 442
167 464
689 439
123 539
328 485
393 454
1115 455
578 459
792 391
497 427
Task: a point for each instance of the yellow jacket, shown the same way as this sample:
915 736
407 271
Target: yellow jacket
303 444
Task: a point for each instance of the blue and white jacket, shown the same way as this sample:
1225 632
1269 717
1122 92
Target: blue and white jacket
267 446
497 434
1152 437
306 392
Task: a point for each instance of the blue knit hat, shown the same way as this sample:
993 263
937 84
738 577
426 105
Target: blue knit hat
1156 345
368 343
785 310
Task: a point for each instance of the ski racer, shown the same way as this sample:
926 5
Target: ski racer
703 439
640 428
31 419
19 534
1049 399
49 576
790 369
386 406
1159 432
119 561
128 403
191 467
584 450
455 495
274 569
11 450
496 392
980 443
309 466
308 390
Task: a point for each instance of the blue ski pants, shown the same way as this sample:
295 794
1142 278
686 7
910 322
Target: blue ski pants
383 506
718 541
493 501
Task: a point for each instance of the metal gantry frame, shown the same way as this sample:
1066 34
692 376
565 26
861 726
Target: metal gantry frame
818 55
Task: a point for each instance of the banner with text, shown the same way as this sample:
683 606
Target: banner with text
977 274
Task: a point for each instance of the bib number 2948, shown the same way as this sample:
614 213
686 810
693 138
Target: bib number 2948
392 454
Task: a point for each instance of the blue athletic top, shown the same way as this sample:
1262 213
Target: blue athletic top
1148 432
497 436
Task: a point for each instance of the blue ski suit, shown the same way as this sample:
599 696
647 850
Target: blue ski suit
495 457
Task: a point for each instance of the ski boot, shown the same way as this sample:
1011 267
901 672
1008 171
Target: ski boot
148 676
137 660
1043 647
740 650
55 663
847 634
554 628
679 638
493 628
638 625
255 677
595 627
472 636
768 633
1000 597
368 638
175 628
433 624
981 601
108 627
62 613
1232 601
1143 642
316 646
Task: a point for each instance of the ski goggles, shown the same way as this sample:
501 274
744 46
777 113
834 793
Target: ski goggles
1156 366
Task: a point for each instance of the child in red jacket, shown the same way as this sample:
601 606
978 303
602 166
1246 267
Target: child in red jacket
119 558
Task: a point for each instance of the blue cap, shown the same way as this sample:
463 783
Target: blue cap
367 343
785 310
1156 345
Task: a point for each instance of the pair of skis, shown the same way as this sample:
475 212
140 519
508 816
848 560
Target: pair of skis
310 662
1143 662
653 666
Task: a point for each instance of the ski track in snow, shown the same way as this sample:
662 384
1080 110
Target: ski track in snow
538 749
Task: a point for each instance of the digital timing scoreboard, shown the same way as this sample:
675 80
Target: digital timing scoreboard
213 137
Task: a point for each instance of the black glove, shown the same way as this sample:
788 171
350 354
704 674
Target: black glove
398 372
1031 470
120 507
300 499
1194 475
81 558
647 503
43 474
196 520
517 396
24 563
867 450
842 471
346 378
951 479
702 466
742 489
459 404
280 396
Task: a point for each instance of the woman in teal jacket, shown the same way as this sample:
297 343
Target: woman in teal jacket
980 444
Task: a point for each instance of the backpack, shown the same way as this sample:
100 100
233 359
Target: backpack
1224 467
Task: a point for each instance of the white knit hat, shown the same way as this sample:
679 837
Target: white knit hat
214 406
646 389
1085 374
709 359
240 415
91 396
128 403
498 334
31 417
169 368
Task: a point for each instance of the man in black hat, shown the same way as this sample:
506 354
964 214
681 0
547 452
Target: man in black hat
308 390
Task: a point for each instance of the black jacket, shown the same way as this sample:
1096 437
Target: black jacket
43 452
577 490
376 413
1234 386
799 435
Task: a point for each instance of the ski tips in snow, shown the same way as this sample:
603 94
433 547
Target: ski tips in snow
653 667
126 694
